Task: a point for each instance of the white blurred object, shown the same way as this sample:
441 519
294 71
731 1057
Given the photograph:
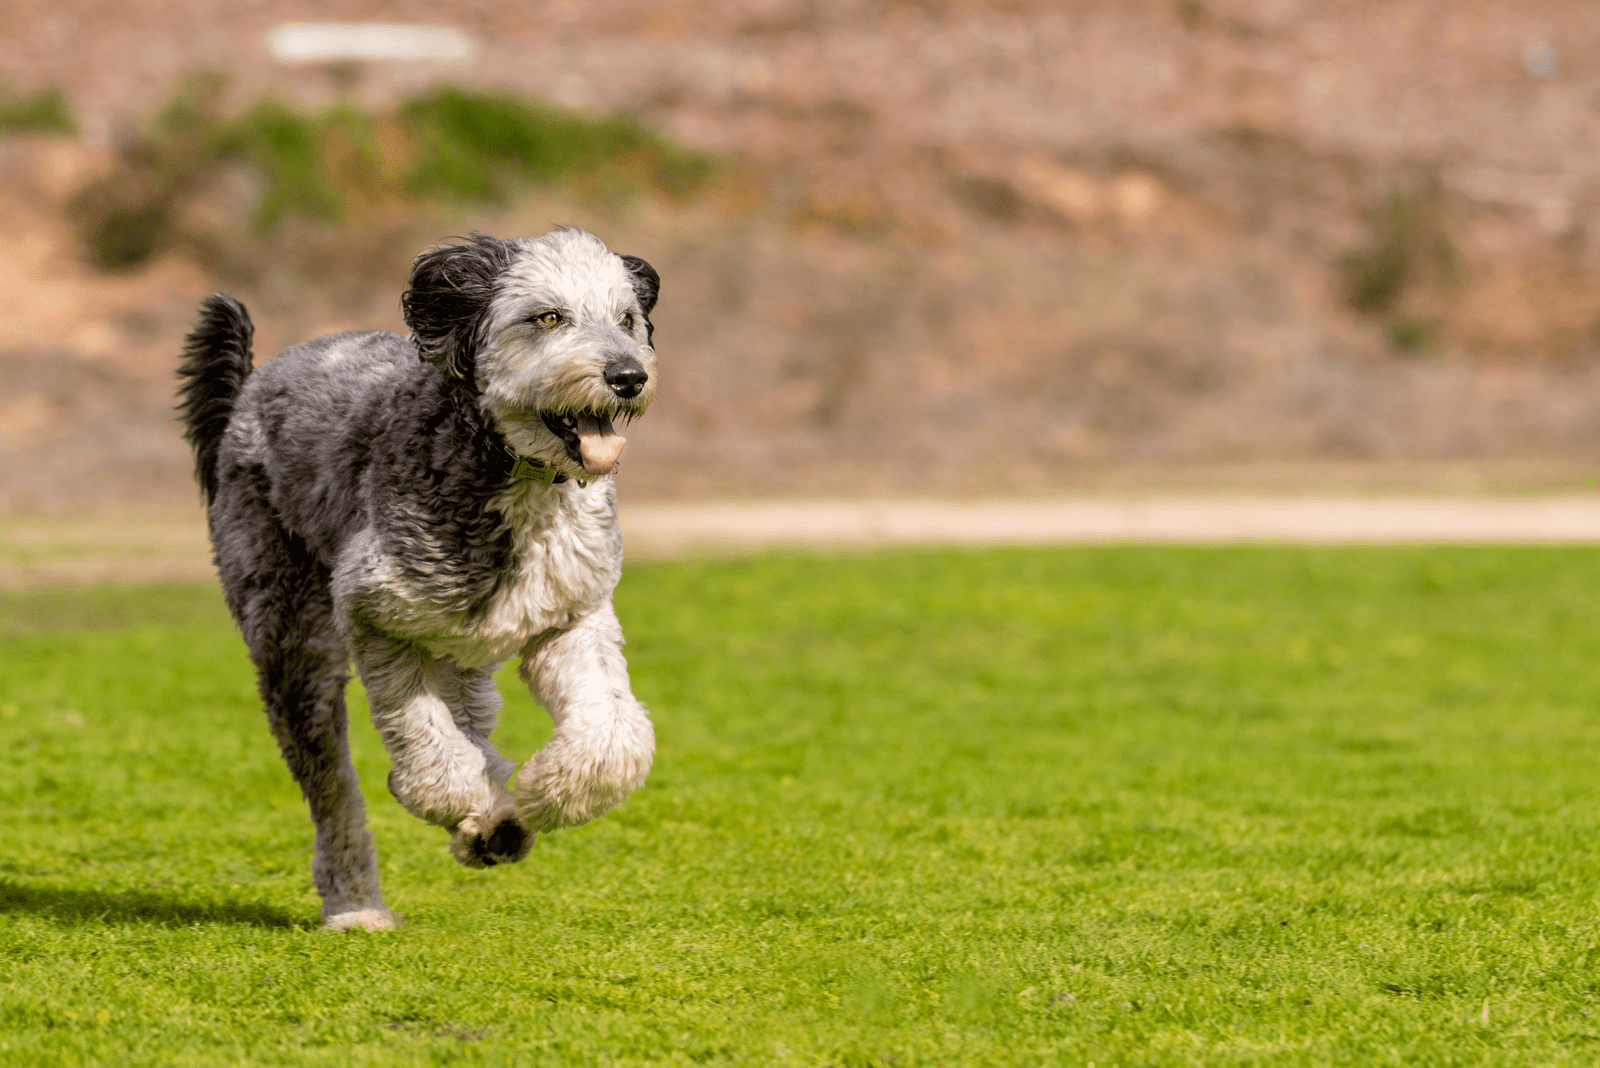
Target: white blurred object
1541 60
323 42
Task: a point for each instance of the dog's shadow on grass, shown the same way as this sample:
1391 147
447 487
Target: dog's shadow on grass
137 906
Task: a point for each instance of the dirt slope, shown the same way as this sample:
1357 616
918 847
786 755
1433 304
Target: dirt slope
1012 245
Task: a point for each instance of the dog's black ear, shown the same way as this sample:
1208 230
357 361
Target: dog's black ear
646 283
448 297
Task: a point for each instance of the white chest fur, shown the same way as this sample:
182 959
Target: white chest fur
567 555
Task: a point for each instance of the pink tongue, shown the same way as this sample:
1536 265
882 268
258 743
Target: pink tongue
598 443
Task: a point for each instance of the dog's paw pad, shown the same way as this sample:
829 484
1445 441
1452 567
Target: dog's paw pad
379 919
505 843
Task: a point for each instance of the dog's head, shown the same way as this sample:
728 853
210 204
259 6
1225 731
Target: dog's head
553 333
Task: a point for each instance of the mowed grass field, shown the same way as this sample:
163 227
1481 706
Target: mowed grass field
1110 806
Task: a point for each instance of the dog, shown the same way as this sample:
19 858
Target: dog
428 507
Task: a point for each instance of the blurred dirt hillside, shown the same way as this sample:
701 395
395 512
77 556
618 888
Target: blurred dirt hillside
909 246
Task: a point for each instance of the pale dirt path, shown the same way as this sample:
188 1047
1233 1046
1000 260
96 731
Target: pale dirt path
169 548
673 529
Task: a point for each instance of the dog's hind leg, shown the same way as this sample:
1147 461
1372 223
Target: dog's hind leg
439 774
475 702
279 595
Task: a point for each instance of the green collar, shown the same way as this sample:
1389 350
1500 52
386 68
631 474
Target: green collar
526 470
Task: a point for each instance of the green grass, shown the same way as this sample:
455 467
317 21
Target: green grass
1128 806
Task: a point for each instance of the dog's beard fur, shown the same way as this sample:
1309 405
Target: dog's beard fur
555 407
544 387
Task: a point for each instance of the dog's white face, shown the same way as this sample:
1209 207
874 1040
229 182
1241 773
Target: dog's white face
566 353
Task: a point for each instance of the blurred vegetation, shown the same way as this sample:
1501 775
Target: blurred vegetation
338 164
1375 276
127 216
1411 335
43 111
471 146
1407 244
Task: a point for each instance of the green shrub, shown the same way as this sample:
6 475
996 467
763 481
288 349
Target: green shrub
474 146
1410 335
1409 244
1376 276
43 111
452 144
129 215
287 147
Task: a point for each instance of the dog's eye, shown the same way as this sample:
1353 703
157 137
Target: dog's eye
549 318
627 321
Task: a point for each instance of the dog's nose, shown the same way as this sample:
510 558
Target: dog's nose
626 376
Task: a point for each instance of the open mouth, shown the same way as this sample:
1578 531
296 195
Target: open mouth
590 439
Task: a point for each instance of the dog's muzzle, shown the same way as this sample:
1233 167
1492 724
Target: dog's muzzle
590 438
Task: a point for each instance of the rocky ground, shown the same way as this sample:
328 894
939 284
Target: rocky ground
956 247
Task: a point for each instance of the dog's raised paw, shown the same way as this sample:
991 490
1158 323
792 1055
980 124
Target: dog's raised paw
363 920
507 842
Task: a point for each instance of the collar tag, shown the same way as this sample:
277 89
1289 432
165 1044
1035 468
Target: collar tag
534 471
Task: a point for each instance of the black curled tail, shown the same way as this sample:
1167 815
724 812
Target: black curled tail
216 361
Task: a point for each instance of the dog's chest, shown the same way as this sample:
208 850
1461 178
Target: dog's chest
566 560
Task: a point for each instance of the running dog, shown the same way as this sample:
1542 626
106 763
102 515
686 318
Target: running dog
428 507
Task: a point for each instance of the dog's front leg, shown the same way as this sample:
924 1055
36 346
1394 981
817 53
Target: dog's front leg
438 774
603 741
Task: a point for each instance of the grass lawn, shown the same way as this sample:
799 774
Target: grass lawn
1119 806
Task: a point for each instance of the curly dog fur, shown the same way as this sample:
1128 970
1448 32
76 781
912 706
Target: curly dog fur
428 507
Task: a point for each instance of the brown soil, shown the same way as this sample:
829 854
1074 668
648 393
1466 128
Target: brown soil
1018 245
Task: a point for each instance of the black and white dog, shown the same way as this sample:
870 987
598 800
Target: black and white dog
429 507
